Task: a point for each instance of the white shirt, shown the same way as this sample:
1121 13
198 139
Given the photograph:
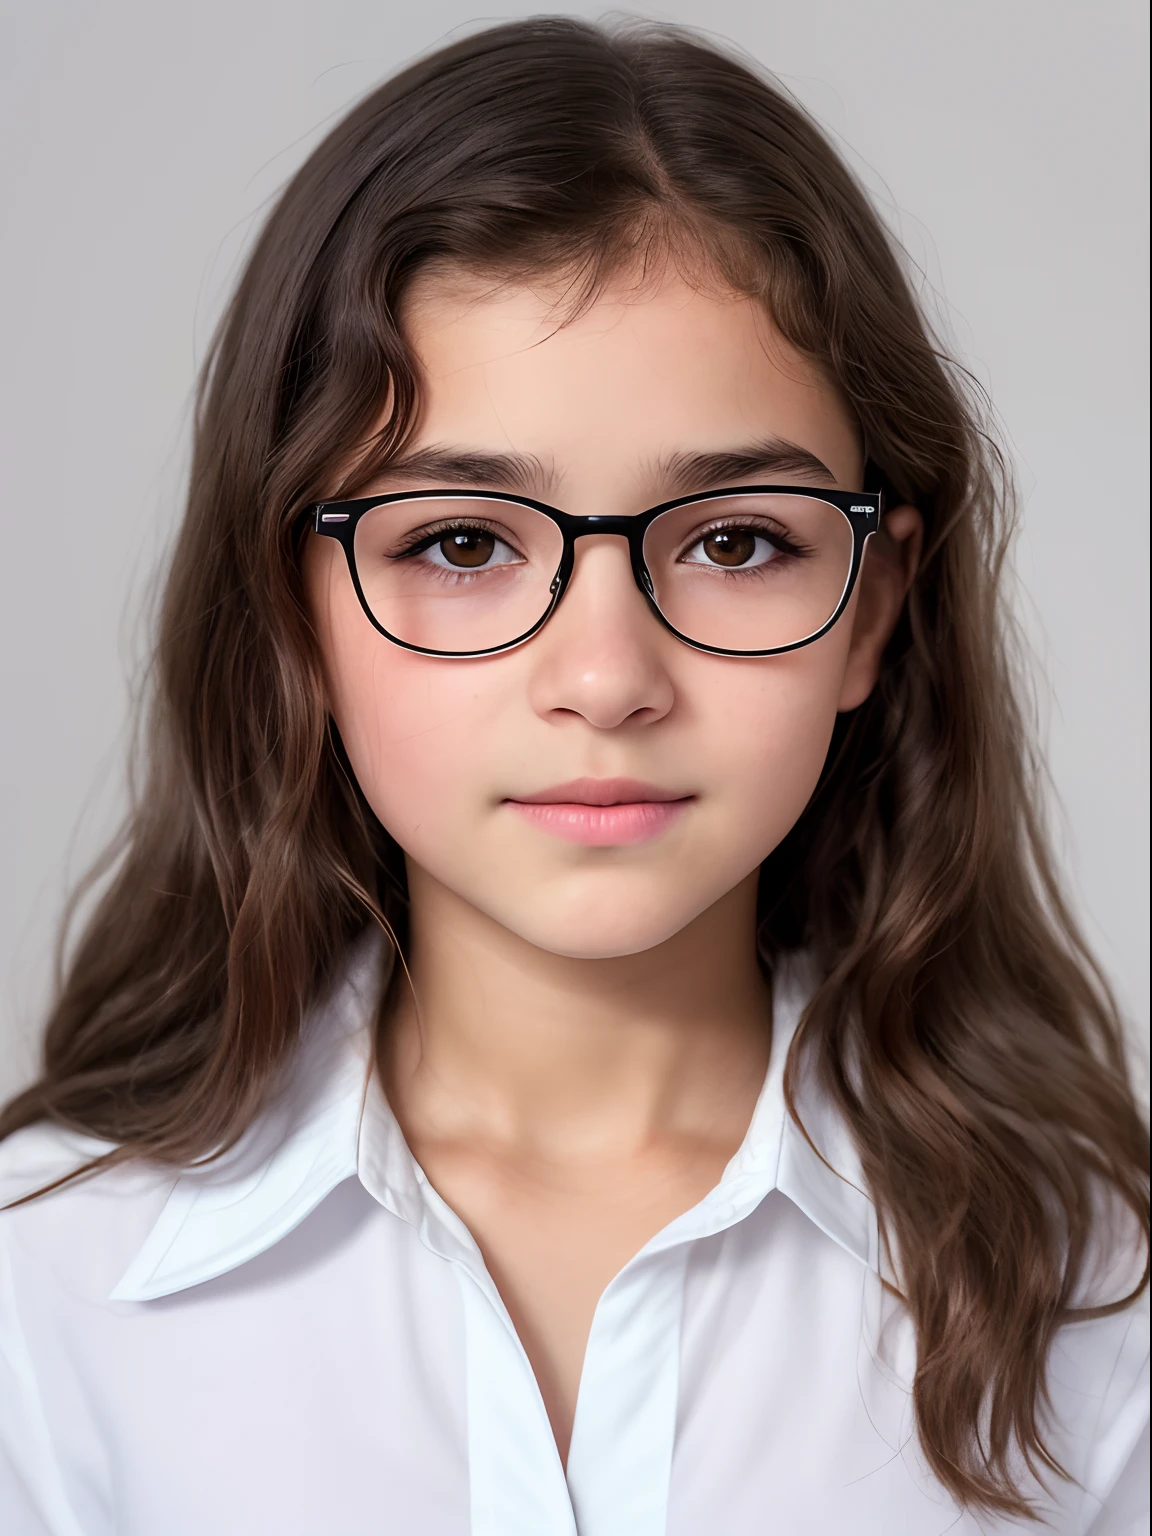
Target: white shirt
303 1339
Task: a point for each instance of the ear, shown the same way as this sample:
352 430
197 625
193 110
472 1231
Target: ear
891 559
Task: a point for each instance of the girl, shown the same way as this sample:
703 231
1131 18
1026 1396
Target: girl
581 1033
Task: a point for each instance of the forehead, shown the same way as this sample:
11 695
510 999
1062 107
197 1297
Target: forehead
638 374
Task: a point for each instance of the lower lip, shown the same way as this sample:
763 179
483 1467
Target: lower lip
603 826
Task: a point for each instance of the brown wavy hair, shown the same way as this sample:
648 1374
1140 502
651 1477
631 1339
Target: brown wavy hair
962 1027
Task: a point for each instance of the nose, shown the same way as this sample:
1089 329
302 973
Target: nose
603 655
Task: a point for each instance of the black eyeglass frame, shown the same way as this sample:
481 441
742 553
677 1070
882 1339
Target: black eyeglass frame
338 520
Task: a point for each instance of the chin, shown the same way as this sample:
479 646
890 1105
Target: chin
605 930
599 945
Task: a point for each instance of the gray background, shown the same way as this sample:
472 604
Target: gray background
140 142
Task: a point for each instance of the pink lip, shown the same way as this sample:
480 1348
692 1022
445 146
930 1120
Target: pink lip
602 813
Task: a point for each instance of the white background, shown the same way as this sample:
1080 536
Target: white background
140 141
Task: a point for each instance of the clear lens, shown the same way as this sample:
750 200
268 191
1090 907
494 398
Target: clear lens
457 573
748 572
465 574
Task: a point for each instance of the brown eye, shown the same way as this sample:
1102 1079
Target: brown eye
468 547
730 549
729 546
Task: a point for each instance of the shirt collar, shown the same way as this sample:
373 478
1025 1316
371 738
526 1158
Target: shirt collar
333 1123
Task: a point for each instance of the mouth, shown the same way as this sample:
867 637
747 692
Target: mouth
602 813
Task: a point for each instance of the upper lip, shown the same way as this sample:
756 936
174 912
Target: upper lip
600 792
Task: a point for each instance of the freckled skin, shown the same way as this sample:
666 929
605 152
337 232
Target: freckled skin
587 1035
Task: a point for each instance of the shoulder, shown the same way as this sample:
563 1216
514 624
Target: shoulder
61 1254
1098 1368
39 1154
1098 1392
84 1234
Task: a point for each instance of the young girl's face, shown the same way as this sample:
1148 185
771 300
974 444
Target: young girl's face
602 414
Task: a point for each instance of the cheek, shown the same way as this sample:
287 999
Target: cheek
413 728
406 721
763 728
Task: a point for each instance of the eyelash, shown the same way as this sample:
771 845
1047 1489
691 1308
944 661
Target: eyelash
779 539
425 538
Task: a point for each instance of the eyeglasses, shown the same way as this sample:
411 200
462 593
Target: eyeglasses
750 571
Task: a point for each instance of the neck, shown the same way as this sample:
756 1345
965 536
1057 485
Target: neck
508 1045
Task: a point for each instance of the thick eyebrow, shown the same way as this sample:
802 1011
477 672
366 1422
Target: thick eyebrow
681 473
771 458
442 466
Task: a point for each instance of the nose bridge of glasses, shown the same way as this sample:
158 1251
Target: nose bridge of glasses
579 527
631 529
627 528
598 525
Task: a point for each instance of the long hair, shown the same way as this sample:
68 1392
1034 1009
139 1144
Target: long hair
962 1027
